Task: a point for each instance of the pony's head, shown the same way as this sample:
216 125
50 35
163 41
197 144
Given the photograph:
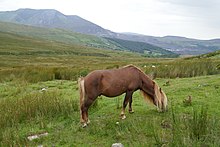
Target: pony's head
158 98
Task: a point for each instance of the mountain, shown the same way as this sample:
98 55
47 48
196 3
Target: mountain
54 19
64 27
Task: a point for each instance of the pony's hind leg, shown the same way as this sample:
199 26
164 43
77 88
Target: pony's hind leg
83 116
84 112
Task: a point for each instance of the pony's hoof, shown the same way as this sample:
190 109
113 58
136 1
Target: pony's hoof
84 125
123 117
131 111
88 122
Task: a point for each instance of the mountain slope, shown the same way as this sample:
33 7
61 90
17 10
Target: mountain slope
143 48
71 37
57 35
179 45
212 55
17 47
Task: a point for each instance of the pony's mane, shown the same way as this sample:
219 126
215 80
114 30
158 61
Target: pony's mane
133 66
147 98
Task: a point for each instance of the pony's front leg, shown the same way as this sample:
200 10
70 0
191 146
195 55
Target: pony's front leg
130 106
123 114
126 100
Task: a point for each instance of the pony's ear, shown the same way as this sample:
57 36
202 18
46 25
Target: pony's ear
152 76
154 84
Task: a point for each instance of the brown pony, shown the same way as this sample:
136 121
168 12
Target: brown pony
112 83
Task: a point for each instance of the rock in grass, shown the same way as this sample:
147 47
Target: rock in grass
36 136
117 145
188 101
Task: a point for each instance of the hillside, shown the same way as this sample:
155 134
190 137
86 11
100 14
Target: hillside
59 35
176 44
212 55
143 48
15 45
70 37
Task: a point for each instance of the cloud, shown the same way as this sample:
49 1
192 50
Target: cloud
193 3
204 13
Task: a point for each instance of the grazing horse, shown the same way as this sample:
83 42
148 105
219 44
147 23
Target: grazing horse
112 83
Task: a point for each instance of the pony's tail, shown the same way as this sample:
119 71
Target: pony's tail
82 94
147 98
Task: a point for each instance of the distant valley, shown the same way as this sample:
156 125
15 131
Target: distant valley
74 29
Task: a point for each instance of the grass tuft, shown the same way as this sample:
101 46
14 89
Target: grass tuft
45 104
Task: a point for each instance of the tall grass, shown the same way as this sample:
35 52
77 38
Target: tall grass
174 69
45 104
198 124
37 74
193 129
183 68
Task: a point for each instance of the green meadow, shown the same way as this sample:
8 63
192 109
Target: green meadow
39 94
26 110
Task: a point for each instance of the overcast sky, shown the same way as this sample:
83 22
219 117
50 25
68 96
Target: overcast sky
189 18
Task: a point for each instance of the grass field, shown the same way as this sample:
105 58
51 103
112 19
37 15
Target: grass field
39 93
26 110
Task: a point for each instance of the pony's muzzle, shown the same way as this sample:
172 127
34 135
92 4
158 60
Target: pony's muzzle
164 109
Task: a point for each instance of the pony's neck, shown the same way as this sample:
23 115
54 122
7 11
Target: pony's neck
147 85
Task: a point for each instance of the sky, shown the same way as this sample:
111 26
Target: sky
198 19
